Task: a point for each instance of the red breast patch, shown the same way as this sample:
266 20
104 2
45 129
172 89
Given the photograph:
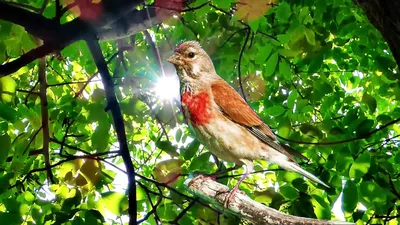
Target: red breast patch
198 107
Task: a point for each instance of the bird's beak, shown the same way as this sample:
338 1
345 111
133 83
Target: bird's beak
174 59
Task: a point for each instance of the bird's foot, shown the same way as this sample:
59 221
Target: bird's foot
230 197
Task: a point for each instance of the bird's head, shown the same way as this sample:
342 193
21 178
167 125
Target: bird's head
192 63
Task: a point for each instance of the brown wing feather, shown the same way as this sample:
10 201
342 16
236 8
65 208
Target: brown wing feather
234 106
236 109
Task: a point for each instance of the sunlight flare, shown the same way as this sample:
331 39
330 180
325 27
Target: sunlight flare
167 88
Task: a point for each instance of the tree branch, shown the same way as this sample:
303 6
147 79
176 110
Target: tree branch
114 107
45 117
56 36
26 58
34 23
246 208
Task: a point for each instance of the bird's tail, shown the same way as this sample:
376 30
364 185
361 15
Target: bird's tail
291 166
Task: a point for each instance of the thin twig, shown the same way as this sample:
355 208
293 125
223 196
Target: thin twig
181 214
32 139
231 36
240 62
342 141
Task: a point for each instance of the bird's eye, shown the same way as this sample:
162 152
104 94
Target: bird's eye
191 54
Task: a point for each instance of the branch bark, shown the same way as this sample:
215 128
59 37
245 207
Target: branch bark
119 127
45 117
246 208
124 22
384 15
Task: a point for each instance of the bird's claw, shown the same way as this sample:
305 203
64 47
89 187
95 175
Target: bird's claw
230 197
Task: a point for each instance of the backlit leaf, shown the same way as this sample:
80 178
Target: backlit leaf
112 201
360 166
310 35
7 88
101 137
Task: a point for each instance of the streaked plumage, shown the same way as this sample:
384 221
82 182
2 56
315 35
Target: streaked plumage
223 122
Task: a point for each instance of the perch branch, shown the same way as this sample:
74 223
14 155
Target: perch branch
248 209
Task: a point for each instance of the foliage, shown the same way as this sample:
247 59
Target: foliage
316 71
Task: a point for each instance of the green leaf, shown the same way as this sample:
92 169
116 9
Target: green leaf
292 98
321 208
311 130
101 136
140 193
270 65
29 197
167 212
5 29
372 192
370 102
96 112
350 197
5 147
2 52
191 149
8 113
263 53
178 135
167 147
254 24
112 201
284 69
302 206
5 181
283 12
284 128
200 162
289 192
310 35
276 110
364 127
91 216
3 127
290 52
360 166
224 4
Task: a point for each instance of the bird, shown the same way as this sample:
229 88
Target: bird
222 120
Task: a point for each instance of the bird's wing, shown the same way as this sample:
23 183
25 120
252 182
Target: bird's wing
235 108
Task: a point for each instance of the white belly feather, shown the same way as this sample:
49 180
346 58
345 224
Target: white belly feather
229 141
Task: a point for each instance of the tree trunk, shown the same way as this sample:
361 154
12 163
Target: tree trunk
385 16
